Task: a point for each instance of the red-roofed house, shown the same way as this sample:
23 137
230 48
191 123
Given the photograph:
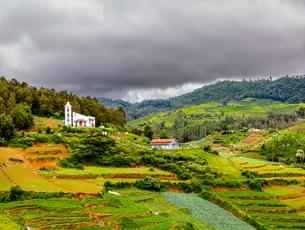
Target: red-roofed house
164 143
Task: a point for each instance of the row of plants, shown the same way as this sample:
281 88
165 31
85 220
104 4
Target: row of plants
153 184
262 210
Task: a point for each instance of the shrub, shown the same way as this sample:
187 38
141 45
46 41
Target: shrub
250 174
15 193
16 160
70 163
48 130
56 139
256 184
149 183
22 142
208 149
3 142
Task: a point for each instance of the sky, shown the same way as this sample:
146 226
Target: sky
146 49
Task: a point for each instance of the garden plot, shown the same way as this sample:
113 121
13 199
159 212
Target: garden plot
36 169
108 172
207 211
21 172
268 169
271 208
45 155
134 209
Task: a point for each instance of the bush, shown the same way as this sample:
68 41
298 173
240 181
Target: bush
56 139
3 142
70 163
118 185
149 183
250 174
208 149
256 184
22 142
15 160
16 193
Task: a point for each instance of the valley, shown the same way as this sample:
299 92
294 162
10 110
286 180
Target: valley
239 165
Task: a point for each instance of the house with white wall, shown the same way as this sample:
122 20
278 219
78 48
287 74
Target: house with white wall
164 143
74 119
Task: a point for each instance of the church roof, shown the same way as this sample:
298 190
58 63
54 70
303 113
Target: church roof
68 104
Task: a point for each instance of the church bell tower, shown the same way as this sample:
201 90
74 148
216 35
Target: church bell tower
68 115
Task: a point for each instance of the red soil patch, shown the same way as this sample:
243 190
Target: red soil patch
95 205
44 163
174 190
251 138
228 189
82 195
40 150
292 196
220 148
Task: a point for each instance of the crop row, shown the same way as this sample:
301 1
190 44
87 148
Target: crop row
265 209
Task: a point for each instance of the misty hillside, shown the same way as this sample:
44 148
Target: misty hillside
285 89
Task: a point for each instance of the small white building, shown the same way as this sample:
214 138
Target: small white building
164 143
76 119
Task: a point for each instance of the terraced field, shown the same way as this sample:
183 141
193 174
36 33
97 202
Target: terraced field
269 209
37 170
269 170
277 206
207 211
133 209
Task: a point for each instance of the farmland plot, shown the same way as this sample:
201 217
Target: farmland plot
207 212
134 209
270 209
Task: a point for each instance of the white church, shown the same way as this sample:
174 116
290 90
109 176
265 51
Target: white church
76 119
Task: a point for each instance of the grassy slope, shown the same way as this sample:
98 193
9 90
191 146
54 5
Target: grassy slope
214 111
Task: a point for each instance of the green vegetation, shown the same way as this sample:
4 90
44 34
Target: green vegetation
198 121
109 178
19 100
285 89
207 212
283 145
133 209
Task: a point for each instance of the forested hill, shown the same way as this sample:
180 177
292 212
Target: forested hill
20 96
285 89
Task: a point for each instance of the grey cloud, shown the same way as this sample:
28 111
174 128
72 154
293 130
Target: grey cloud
113 48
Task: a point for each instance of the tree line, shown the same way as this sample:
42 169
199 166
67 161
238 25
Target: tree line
20 101
288 89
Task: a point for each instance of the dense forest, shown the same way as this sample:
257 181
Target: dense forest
285 89
18 101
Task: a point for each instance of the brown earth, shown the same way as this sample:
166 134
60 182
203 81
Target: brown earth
228 189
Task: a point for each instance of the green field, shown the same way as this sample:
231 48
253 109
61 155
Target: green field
208 212
133 209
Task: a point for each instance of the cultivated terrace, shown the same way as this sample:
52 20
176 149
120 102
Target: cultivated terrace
239 165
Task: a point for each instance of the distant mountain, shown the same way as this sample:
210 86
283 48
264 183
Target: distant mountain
285 89
112 103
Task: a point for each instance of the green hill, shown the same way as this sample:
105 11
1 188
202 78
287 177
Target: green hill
199 120
285 89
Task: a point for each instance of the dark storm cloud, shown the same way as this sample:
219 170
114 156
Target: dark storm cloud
116 48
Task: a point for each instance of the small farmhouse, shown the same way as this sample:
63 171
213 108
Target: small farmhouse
76 119
164 143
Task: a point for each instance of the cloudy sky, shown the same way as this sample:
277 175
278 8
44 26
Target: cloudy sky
137 49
